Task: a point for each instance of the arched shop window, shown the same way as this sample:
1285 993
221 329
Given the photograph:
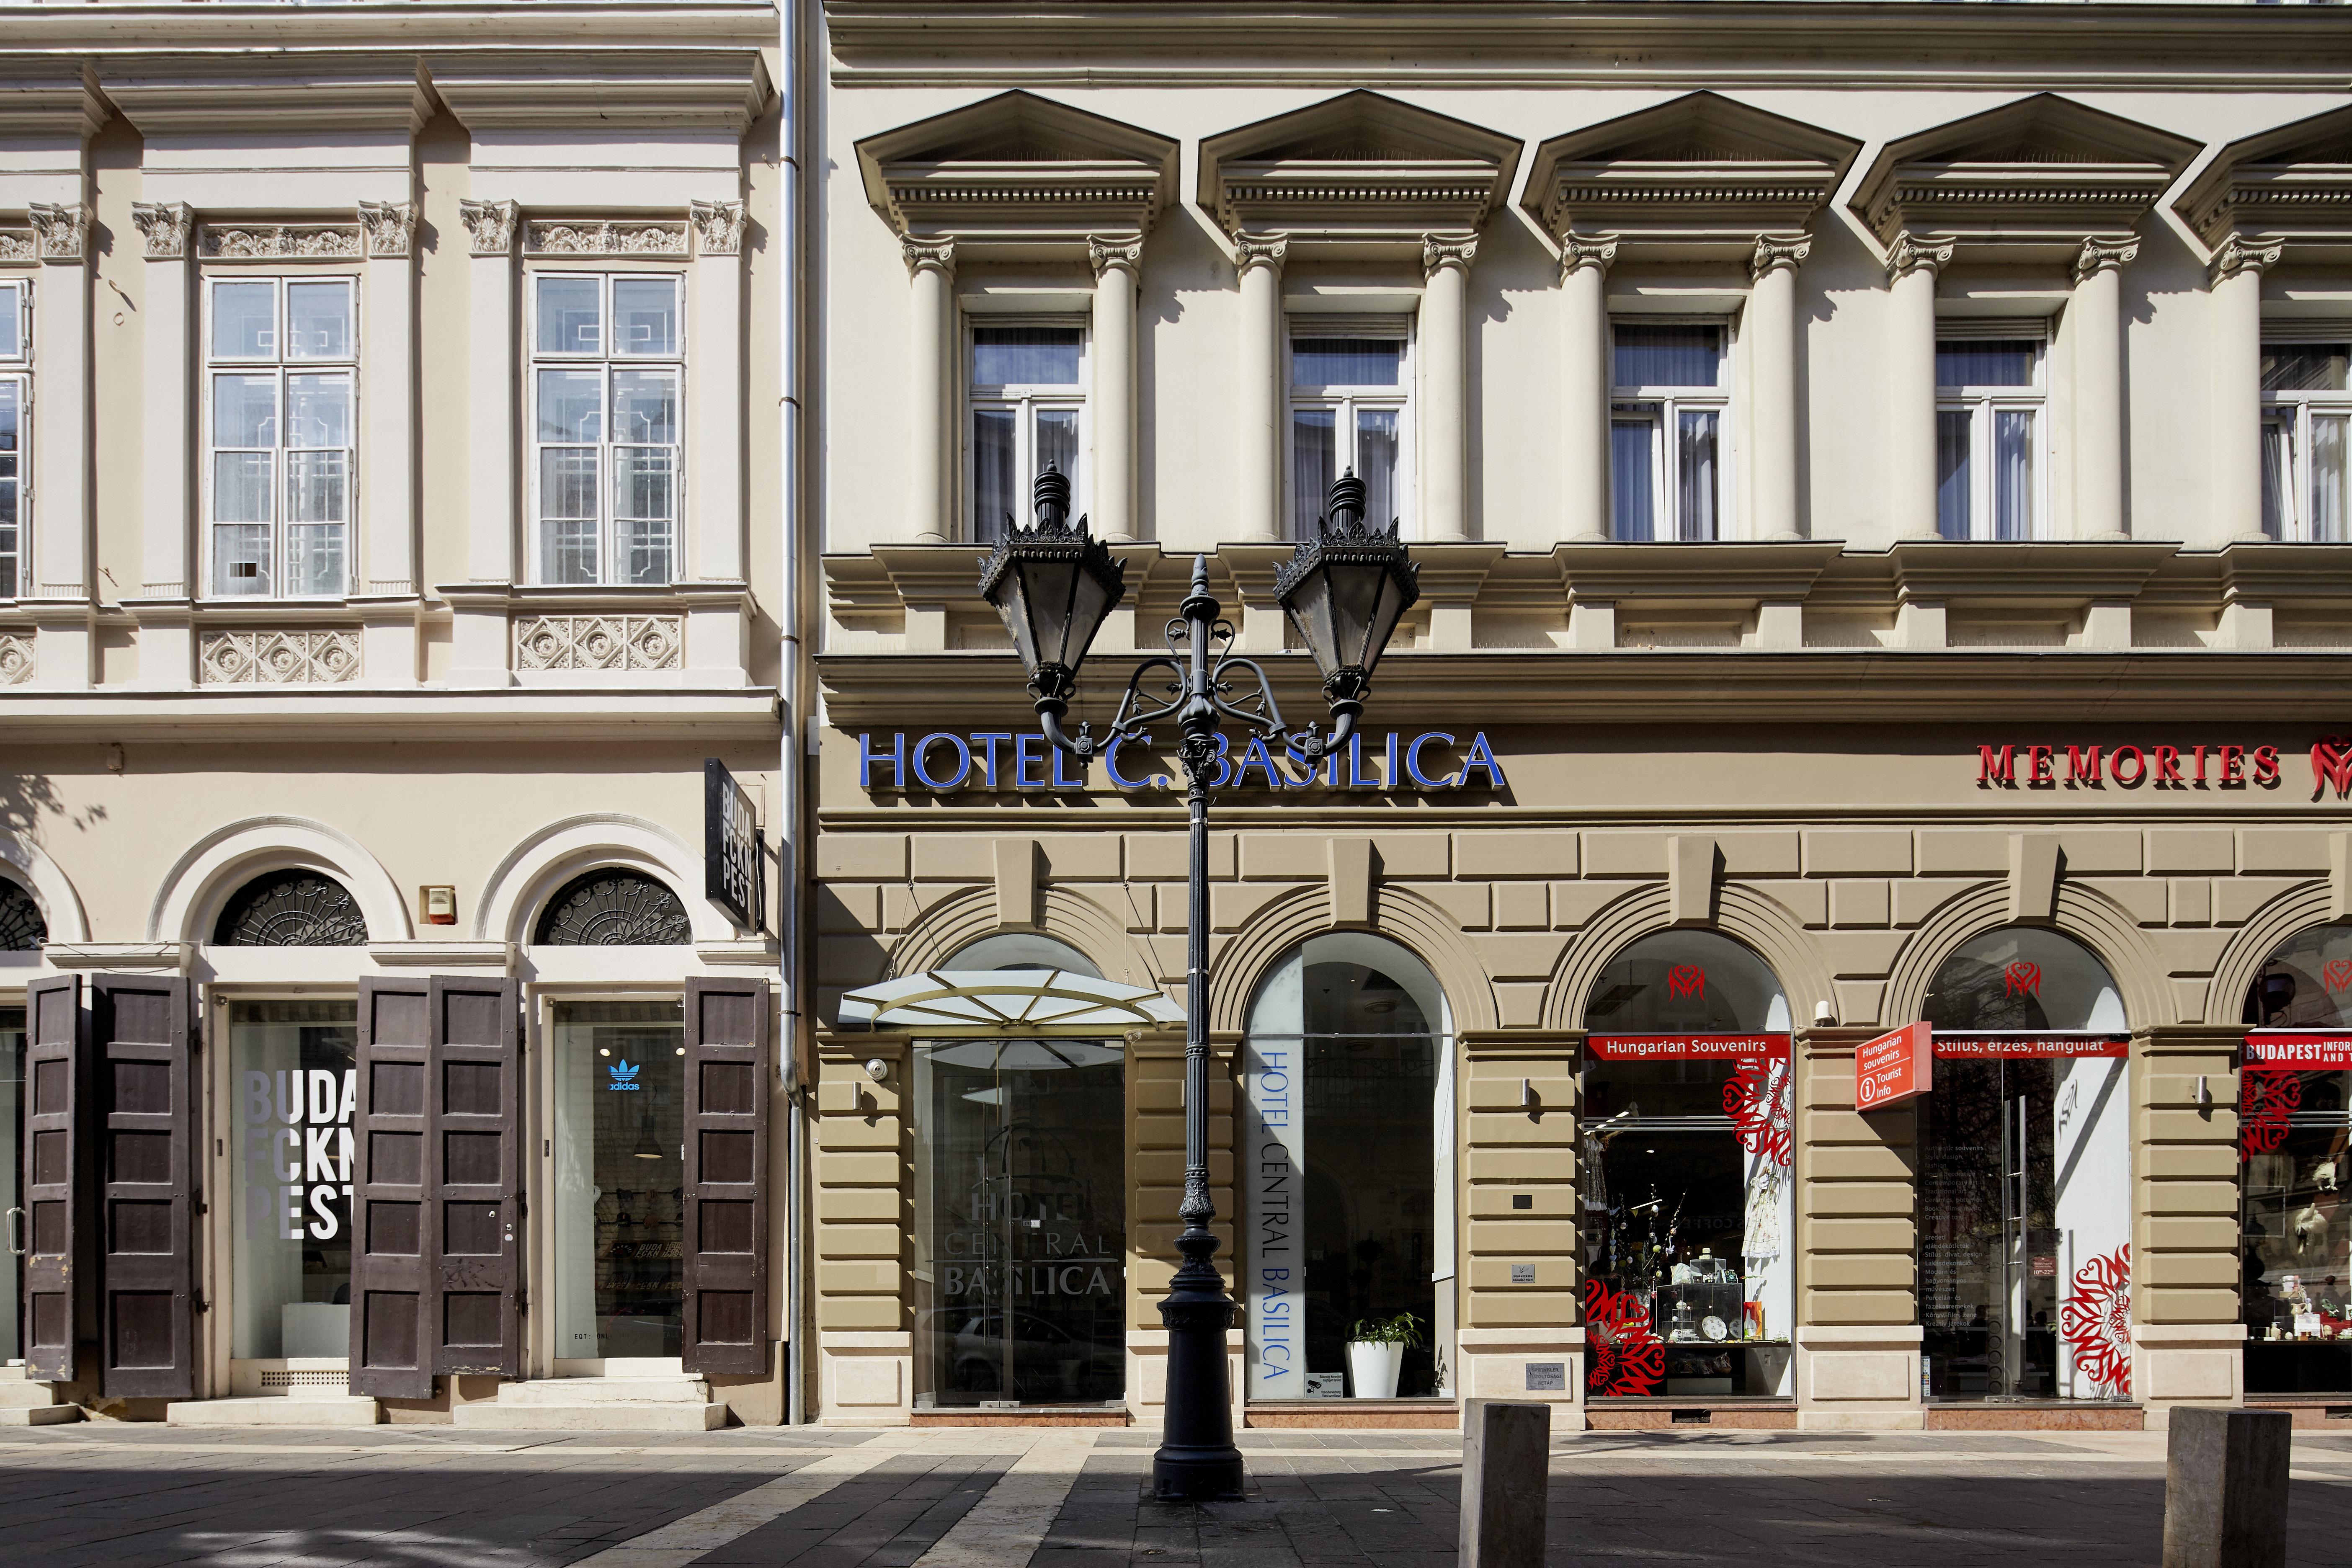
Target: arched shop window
1348 1182
1020 1284
2294 1132
1684 1180
290 908
2024 1194
614 907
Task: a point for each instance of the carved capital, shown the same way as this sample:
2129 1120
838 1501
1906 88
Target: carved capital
491 226
2099 255
1779 250
1908 255
386 227
1437 252
717 227
2236 256
928 255
63 231
1104 254
1268 252
1597 254
167 226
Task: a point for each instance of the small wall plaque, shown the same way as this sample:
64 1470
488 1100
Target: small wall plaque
1523 1273
1546 1377
1523 1200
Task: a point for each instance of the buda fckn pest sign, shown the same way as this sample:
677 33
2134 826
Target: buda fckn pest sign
733 876
946 760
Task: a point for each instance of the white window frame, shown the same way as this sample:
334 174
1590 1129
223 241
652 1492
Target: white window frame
1346 402
1983 402
211 365
1025 402
1670 404
16 371
2291 413
608 361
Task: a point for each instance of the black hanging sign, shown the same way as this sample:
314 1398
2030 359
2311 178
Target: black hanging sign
733 875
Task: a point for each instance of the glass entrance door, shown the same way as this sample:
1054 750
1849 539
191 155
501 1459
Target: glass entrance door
620 1123
1022 1238
1989 1252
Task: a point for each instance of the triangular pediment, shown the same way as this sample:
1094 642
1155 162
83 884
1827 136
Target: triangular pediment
1313 172
2046 129
1016 167
2292 183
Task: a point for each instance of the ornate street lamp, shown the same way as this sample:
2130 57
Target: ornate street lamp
1345 591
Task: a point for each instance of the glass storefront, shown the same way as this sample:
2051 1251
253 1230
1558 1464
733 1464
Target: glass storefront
620 1123
1686 1173
2295 1129
1348 1174
294 1086
12 1176
2025 1206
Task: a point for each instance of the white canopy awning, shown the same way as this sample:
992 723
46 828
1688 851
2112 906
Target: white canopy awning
1007 1002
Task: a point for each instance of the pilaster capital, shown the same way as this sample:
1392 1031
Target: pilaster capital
1908 255
62 232
2235 255
1268 250
717 228
166 226
386 227
1779 250
1105 254
1597 254
2101 256
491 225
1443 251
928 255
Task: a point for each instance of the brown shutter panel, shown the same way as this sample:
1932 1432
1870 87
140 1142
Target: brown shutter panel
727 1089
388 1212
473 1286
58 1273
144 1091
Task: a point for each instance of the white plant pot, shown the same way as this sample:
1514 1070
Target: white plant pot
1372 1369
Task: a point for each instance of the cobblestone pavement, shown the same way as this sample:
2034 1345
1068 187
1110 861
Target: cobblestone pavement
127 1496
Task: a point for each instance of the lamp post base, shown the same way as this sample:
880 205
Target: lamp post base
1196 1475
1196 1461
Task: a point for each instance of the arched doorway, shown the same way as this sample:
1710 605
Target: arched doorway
2294 1134
1686 1173
2024 1191
1346 1174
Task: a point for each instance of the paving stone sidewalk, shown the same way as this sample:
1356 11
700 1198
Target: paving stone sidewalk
127 1496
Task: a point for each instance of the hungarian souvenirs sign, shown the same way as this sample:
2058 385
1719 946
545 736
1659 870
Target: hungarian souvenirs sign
2029 1044
946 760
1685 1047
1893 1068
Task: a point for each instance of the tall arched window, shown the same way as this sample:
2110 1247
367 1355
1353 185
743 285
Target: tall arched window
2295 1136
22 928
295 908
2024 1195
1684 1180
1347 1183
614 907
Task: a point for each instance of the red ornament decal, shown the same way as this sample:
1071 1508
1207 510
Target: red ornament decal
2338 973
2265 1101
1685 980
2023 979
1756 1099
2331 763
2096 1317
1621 1354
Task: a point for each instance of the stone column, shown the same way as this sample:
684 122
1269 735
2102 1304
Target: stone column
1117 264
710 549
1584 394
2098 359
1258 513
477 653
1445 381
66 644
930 393
1772 381
383 527
1911 269
166 642
2236 279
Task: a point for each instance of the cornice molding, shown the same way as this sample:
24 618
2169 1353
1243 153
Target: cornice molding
2291 185
202 95
673 89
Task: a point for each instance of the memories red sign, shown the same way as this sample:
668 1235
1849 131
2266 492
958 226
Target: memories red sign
2028 1044
1685 1047
2310 1051
1893 1067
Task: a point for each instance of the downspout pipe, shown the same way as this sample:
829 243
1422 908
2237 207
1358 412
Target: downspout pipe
791 813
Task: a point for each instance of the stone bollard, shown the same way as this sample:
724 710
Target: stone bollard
2225 1488
1506 1462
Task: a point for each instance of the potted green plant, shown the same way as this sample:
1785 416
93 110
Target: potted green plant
1376 1348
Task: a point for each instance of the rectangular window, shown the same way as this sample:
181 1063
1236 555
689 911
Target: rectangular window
2306 419
15 403
1991 400
281 372
1026 391
607 368
1349 404
1667 424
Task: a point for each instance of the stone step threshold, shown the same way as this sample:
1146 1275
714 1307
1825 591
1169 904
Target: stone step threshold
2036 1415
1758 1412
2310 1412
1023 1415
1441 1413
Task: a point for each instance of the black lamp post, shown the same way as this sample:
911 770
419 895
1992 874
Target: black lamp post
1344 590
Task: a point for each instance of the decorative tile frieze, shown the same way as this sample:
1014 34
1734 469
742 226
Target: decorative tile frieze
387 227
490 226
18 245
165 226
277 241
15 659
296 657
63 231
598 642
717 228
597 236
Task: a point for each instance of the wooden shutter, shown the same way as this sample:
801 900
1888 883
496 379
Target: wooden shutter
59 1279
388 1218
726 1217
473 1285
144 1091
